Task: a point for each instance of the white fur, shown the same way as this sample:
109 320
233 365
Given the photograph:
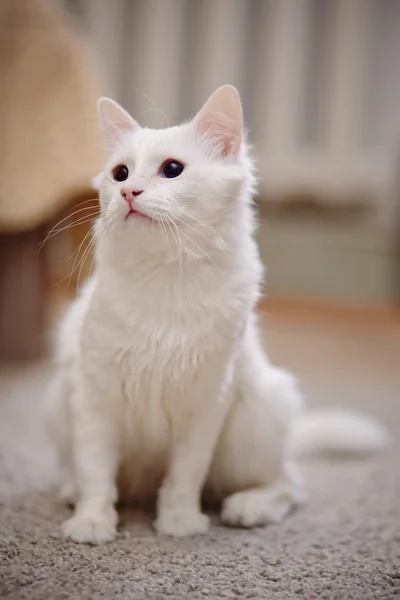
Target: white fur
334 431
162 386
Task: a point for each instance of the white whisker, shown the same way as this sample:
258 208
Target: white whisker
201 221
55 229
155 107
199 248
177 240
198 232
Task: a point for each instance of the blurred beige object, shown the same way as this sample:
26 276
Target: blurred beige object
49 152
50 148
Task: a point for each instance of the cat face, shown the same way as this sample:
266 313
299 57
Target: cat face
174 188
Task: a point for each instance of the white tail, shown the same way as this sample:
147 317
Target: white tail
333 432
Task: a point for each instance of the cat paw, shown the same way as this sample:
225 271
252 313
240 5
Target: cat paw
253 509
97 528
181 522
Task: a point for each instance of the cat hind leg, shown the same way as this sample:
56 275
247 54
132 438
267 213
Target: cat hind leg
251 473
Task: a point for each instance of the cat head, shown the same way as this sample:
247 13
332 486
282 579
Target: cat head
178 190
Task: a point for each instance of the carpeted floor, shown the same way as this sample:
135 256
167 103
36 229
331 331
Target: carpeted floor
344 544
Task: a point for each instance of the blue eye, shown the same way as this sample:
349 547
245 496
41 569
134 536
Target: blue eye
171 169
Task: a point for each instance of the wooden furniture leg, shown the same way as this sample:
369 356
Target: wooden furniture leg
22 296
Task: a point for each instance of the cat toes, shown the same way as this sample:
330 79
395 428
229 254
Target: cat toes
254 509
96 528
181 522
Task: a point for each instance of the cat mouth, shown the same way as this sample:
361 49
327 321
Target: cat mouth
135 214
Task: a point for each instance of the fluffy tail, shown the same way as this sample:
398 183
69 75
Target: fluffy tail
334 432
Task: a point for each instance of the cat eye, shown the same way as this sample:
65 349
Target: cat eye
171 169
120 173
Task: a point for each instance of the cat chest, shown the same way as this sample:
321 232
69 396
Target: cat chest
167 349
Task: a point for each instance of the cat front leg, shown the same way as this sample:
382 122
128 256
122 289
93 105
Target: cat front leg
202 409
95 452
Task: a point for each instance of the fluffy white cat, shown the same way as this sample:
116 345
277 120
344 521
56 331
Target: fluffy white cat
162 388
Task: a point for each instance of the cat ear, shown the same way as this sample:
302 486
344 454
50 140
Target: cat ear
221 120
114 121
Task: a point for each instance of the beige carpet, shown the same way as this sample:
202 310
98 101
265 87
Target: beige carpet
344 544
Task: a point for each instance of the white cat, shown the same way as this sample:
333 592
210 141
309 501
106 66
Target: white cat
162 387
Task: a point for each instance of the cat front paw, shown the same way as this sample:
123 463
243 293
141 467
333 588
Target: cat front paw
96 528
181 522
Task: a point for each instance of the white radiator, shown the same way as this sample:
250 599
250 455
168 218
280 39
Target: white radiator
320 80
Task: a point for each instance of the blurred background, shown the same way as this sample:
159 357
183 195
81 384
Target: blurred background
320 85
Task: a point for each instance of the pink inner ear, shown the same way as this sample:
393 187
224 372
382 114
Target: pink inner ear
222 131
221 120
114 122
113 132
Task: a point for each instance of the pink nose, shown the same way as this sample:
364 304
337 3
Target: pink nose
129 194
